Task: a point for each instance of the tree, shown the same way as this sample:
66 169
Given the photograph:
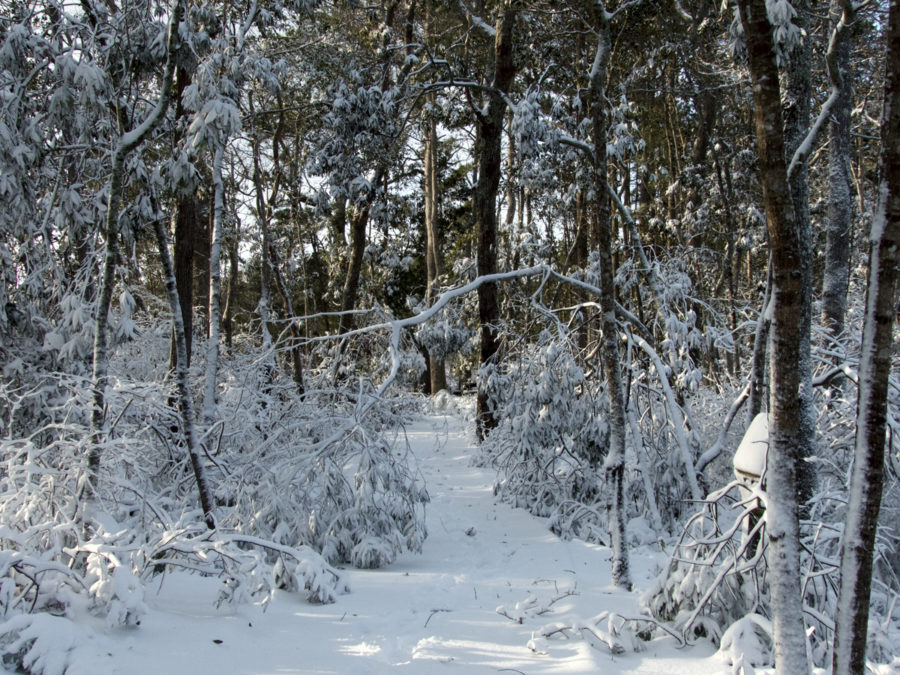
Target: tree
186 217
614 464
782 511
882 295
126 143
437 369
488 150
796 123
840 201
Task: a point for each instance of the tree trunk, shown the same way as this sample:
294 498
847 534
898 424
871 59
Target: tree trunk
579 258
185 404
836 279
186 217
359 220
215 283
882 291
731 225
614 464
436 367
265 281
490 132
708 105
233 257
125 144
787 305
296 353
796 128
760 351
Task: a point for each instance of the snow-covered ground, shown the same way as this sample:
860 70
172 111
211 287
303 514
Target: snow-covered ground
436 612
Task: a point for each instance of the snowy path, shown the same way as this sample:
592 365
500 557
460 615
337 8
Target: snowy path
428 613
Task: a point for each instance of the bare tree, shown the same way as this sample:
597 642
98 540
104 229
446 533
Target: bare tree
490 135
784 457
127 142
436 366
182 383
614 464
882 293
840 203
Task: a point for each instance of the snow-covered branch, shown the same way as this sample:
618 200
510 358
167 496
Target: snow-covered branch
621 9
477 21
716 448
133 138
676 414
838 35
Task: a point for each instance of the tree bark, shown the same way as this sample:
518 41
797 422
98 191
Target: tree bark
187 215
760 351
295 351
784 400
490 132
836 279
796 128
436 367
359 221
215 283
733 360
265 281
614 465
185 404
231 299
882 292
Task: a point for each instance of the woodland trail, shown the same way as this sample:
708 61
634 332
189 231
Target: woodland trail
434 612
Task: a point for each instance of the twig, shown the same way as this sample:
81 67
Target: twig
433 612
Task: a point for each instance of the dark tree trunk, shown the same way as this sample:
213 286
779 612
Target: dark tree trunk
182 383
359 221
836 279
796 128
187 222
734 360
490 133
760 351
231 299
579 258
437 371
858 544
186 215
293 329
787 291
708 105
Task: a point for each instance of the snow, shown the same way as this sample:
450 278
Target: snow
750 457
491 579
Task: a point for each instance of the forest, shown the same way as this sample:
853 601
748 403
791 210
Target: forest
246 243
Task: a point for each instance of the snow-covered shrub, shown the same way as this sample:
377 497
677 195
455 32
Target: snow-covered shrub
41 644
445 335
747 642
716 585
345 485
330 471
116 586
68 545
30 583
716 573
551 438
